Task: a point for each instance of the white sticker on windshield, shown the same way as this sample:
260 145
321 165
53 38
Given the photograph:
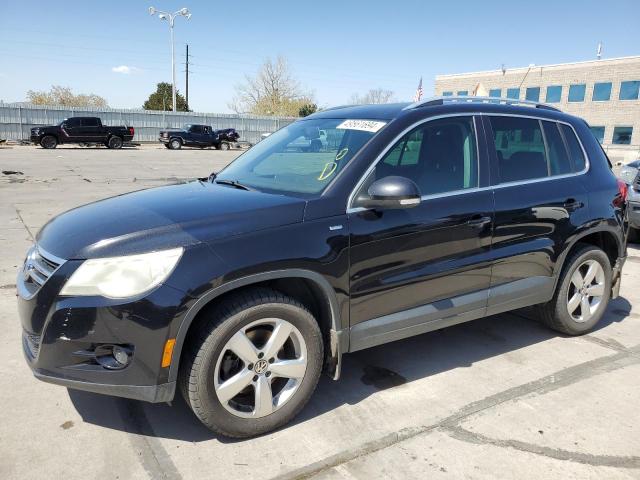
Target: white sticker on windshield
364 125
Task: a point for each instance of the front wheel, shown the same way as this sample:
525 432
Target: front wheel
252 364
115 142
49 141
175 144
224 146
582 294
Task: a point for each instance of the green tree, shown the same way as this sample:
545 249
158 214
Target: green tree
307 109
58 95
162 99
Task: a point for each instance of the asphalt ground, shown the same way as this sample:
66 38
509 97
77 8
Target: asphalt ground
501 397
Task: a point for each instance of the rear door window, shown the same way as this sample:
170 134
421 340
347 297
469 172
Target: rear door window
575 150
89 122
559 163
520 148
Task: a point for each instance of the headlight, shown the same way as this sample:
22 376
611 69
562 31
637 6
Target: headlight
122 277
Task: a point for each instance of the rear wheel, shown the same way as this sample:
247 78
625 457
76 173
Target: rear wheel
175 143
224 146
582 294
253 364
48 141
115 142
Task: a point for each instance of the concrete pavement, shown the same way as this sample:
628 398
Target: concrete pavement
501 397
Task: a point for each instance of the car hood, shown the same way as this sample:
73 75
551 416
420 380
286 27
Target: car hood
164 217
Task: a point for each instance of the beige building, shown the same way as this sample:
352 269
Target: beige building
606 93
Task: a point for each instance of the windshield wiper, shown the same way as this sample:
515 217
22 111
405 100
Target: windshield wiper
233 183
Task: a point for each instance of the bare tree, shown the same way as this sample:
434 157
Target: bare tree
58 95
375 95
272 91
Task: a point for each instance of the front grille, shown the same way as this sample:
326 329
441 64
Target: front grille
38 267
33 343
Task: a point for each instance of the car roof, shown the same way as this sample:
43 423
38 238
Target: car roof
443 106
386 111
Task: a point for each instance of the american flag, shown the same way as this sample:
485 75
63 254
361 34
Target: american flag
418 95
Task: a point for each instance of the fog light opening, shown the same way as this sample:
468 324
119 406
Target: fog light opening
113 357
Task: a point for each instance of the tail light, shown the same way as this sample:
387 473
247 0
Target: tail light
131 131
621 197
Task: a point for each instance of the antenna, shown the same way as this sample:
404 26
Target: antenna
599 51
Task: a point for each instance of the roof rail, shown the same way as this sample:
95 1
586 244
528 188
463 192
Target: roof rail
430 102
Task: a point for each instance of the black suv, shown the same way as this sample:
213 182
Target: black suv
238 289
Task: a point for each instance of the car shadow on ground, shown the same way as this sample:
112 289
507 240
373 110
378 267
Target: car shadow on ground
363 374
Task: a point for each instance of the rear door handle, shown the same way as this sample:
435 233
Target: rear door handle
572 205
478 221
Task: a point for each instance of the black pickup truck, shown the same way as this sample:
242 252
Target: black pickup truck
81 130
202 136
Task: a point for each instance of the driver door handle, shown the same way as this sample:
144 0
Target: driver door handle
478 221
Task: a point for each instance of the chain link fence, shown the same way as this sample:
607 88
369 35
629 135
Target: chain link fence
16 120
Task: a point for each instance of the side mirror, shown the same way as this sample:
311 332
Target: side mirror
392 193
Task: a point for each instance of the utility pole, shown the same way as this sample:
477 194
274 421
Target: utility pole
187 77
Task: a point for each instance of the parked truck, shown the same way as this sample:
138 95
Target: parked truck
81 130
200 136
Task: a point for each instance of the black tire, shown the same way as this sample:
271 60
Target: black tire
555 313
634 235
48 141
115 142
224 146
207 343
175 144
167 146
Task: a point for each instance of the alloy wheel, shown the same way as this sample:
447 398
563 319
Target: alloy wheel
260 368
585 290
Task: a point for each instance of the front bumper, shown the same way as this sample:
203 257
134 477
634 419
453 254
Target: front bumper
35 139
163 139
62 335
148 393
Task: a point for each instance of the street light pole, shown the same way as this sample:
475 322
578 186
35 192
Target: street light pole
170 17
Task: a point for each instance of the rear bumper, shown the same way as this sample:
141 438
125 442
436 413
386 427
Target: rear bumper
634 214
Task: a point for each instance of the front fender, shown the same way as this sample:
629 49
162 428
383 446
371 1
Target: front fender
337 338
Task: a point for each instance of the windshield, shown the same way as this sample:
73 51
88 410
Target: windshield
302 157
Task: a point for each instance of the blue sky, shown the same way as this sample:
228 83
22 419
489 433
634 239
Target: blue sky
335 48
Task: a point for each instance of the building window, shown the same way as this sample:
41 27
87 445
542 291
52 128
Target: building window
601 92
576 92
447 94
598 132
495 92
463 93
622 135
533 94
629 90
554 92
513 93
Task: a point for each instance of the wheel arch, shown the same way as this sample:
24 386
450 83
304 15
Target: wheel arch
604 237
322 292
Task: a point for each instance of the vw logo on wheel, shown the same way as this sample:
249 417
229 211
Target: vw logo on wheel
260 367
